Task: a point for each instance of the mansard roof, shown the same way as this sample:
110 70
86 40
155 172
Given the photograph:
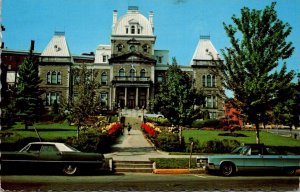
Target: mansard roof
205 50
57 47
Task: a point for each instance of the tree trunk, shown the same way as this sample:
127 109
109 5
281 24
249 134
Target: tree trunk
180 134
257 133
78 127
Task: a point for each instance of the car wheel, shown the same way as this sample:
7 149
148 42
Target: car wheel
227 169
69 169
289 171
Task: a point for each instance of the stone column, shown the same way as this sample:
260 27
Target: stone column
114 97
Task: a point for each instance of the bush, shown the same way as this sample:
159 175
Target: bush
173 163
220 146
169 142
213 123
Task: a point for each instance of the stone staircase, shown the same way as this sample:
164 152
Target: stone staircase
133 166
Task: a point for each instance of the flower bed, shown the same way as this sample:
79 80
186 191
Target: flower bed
114 128
149 128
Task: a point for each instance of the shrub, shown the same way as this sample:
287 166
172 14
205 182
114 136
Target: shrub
169 142
174 163
214 123
220 146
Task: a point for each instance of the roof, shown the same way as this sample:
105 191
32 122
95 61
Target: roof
205 50
133 16
57 47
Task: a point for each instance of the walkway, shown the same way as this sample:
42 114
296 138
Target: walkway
135 147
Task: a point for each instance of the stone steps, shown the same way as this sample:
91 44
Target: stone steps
133 166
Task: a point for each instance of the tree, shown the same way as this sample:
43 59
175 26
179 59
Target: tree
28 100
250 64
85 102
177 99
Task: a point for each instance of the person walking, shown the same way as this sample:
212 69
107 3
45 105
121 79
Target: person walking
128 128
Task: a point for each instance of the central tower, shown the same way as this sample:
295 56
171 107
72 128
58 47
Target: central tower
132 58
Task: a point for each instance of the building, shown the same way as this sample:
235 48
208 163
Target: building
128 69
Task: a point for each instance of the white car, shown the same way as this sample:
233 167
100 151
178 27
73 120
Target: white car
153 115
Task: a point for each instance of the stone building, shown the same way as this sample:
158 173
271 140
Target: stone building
128 69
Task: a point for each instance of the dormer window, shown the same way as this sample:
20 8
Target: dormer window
132 29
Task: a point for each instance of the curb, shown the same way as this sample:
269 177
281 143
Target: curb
178 171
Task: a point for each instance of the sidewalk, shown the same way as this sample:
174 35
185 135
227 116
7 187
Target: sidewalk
135 147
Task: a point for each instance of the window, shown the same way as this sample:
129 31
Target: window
103 99
159 78
126 30
48 78
132 74
52 97
214 81
209 83
159 59
132 29
104 78
104 58
139 30
49 148
143 73
132 48
203 81
122 72
58 78
209 102
53 77
145 48
120 47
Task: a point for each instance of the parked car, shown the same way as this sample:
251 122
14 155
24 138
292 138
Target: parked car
153 115
250 157
52 155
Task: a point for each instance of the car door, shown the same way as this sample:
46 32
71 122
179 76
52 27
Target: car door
272 159
29 157
253 159
49 155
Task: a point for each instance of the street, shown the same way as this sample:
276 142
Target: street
148 182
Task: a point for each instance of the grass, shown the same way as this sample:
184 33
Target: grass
45 130
250 137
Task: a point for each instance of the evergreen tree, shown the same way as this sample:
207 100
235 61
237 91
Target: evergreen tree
177 99
28 101
250 64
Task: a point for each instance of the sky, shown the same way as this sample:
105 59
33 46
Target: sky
178 23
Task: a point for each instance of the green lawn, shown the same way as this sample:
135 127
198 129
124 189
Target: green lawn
266 138
46 131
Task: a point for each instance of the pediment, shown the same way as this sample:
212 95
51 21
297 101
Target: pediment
132 57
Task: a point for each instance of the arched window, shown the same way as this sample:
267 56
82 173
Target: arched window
48 78
214 81
203 81
143 73
104 78
209 81
103 98
132 29
132 73
58 78
53 78
122 72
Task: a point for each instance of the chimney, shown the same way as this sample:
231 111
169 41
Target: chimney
151 15
115 18
32 45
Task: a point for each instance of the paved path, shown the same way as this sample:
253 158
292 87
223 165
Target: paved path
135 147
